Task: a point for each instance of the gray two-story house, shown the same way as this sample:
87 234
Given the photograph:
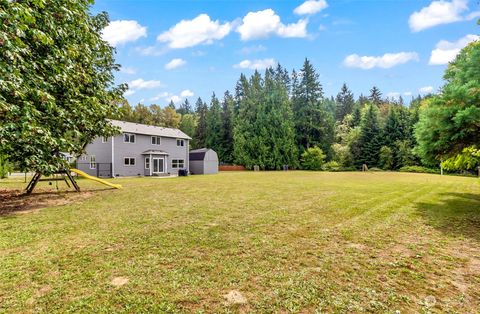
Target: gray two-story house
140 150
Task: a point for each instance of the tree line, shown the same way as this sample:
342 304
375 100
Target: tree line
271 119
54 99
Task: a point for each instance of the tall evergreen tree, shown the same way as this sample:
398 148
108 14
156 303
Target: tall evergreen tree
241 90
282 77
201 110
313 124
171 104
228 108
345 103
185 108
375 96
279 125
264 133
370 138
214 127
362 101
248 146
187 125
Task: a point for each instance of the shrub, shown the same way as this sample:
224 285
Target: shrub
374 169
418 169
386 158
332 166
313 159
5 167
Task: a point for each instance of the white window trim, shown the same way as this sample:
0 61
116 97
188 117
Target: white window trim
176 164
156 137
147 158
129 165
104 139
92 163
130 134
182 141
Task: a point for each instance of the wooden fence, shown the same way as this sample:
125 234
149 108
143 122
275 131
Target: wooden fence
231 168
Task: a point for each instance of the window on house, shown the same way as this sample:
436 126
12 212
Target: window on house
128 138
147 163
180 142
93 164
178 163
104 139
156 140
83 158
129 161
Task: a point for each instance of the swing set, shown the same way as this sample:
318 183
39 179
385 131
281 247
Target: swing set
65 176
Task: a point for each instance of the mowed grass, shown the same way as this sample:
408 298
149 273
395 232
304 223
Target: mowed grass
287 241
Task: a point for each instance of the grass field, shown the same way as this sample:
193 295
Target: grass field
286 241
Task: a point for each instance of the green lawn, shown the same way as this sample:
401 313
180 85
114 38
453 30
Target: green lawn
287 241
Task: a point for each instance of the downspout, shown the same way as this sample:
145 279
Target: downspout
113 157
187 157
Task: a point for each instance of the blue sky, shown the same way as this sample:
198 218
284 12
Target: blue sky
177 49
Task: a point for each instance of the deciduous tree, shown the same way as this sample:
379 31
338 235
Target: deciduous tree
56 81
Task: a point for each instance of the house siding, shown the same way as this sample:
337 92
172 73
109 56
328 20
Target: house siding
144 143
103 153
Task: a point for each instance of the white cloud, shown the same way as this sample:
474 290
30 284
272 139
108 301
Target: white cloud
129 92
311 7
142 84
199 53
189 33
123 31
437 13
446 51
262 24
151 51
407 94
175 63
426 90
128 70
393 95
252 49
472 15
186 93
255 64
167 96
386 61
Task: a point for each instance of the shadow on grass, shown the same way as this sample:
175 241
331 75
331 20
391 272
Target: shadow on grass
456 214
16 201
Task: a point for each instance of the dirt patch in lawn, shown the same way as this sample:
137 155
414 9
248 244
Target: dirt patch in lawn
16 201
235 297
119 281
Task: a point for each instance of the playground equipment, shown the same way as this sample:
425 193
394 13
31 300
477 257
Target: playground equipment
67 177
87 176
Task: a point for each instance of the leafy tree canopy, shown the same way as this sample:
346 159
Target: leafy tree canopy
450 122
56 82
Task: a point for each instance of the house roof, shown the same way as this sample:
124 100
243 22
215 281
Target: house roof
138 128
198 154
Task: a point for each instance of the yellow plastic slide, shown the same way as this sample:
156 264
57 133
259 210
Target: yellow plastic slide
87 176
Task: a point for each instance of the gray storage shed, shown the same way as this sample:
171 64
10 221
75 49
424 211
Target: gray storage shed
203 161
